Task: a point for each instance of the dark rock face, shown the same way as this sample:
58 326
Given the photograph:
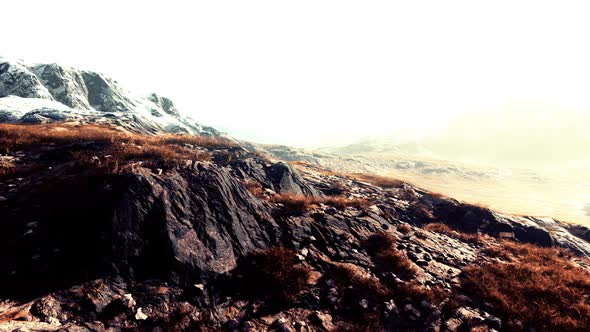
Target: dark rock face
166 104
285 179
66 85
104 95
195 221
202 220
16 79
279 177
542 232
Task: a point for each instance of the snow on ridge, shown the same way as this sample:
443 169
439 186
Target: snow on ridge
51 92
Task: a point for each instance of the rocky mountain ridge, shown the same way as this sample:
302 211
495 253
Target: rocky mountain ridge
44 93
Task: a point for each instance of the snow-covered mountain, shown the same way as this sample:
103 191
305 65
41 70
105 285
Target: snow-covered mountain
42 93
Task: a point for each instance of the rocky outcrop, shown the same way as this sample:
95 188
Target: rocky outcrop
195 221
66 85
279 177
201 219
166 104
542 231
17 80
104 95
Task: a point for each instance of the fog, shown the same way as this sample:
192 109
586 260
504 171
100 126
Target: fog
316 73
500 84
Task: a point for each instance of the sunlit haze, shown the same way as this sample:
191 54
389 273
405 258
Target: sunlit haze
503 83
315 73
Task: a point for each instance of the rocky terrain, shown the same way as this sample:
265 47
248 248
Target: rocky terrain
109 227
560 191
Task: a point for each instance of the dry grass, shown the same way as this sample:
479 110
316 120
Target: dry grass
296 163
29 136
355 286
363 284
301 203
117 146
417 292
18 313
378 180
436 194
404 228
274 274
541 287
381 247
7 167
445 229
254 188
422 211
13 137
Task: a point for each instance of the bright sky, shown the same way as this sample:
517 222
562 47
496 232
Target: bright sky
323 72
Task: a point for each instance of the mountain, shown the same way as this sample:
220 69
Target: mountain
105 228
44 93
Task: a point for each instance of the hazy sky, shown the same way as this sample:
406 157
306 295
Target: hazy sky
322 72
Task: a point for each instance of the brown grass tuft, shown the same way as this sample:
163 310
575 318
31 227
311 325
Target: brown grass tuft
18 313
89 143
445 229
404 228
540 287
301 203
381 247
274 273
254 188
422 211
364 285
7 167
378 180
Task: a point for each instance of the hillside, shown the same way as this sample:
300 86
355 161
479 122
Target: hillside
114 219
181 232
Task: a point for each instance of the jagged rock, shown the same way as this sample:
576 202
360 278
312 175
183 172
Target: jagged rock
129 301
209 199
46 308
453 324
165 103
285 179
391 308
493 321
413 312
17 80
14 109
323 320
66 85
139 315
283 325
